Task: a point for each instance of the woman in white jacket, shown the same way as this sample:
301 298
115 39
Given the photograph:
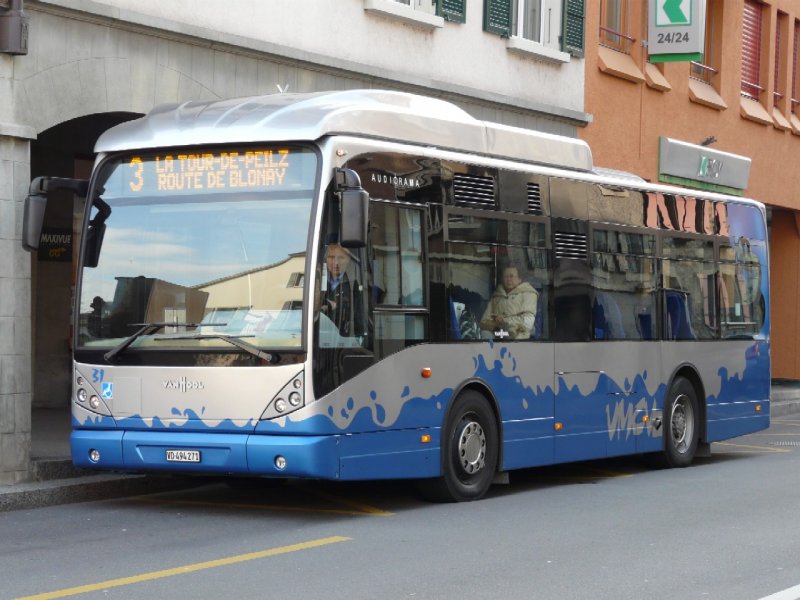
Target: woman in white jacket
512 308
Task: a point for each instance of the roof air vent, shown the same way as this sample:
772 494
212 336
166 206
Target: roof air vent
534 199
571 245
473 190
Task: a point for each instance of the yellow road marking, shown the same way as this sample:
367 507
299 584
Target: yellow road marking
605 474
362 508
210 564
336 511
757 448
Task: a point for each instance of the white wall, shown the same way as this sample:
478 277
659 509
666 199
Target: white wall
456 54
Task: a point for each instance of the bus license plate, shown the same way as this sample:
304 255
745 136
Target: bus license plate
192 456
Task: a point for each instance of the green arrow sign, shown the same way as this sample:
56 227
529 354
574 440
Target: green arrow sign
674 12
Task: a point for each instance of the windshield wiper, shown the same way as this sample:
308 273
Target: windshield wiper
233 340
144 329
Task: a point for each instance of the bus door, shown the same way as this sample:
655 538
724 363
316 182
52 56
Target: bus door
397 276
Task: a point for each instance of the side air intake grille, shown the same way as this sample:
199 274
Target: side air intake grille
473 190
571 245
534 199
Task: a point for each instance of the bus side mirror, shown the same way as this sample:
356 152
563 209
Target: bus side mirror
33 216
36 202
355 206
354 209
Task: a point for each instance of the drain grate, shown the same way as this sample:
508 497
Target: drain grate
785 443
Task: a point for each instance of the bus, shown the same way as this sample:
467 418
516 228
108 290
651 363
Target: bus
304 286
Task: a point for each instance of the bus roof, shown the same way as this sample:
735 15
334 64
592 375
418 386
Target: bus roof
387 115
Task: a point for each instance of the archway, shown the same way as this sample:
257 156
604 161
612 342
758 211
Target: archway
65 150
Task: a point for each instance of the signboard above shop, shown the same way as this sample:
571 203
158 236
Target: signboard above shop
676 30
697 166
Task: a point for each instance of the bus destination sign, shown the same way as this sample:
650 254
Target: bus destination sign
201 172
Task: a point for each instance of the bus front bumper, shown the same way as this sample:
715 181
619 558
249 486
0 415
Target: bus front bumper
219 453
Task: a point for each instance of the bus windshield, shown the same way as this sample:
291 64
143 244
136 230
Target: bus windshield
204 246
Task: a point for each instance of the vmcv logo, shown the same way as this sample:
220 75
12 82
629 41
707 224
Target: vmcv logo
182 384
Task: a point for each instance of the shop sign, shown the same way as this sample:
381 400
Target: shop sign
701 167
676 30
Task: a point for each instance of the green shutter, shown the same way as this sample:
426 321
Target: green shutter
452 10
497 17
572 26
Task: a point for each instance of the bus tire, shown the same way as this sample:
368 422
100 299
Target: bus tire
681 424
470 443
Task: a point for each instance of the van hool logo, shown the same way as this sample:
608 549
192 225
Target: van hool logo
182 385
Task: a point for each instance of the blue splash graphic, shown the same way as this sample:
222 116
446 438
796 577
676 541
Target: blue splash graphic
611 408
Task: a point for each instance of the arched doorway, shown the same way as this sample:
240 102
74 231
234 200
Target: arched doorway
65 150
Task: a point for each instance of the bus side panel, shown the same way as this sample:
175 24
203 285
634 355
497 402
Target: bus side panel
394 394
607 393
391 454
736 380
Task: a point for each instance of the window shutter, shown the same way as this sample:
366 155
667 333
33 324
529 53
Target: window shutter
794 64
751 48
777 95
572 26
497 17
452 10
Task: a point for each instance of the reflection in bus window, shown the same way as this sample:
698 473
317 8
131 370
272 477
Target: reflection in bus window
690 299
741 302
623 307
396 242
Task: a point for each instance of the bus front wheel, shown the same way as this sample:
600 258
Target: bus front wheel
469 451
681 419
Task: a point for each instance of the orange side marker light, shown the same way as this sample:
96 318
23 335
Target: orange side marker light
426 372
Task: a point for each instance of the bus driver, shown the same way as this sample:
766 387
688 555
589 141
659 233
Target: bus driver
342 300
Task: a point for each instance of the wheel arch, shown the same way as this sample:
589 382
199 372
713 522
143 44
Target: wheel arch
690 373
483 388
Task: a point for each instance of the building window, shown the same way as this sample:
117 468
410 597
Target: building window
428 6
779 80
795 100
751 49
614 25
708 68
296 280
528 19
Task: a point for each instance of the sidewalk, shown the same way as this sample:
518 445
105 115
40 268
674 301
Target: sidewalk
56 481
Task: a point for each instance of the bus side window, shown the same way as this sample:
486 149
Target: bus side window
624 284
469 289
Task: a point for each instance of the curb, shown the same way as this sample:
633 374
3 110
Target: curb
87 488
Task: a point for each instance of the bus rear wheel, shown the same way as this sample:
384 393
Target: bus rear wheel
469 451
681 419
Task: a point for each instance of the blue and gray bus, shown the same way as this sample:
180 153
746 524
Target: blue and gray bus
205 342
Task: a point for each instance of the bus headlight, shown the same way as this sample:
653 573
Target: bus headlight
88 397
288 399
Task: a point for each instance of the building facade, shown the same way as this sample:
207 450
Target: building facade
736 108
69 69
